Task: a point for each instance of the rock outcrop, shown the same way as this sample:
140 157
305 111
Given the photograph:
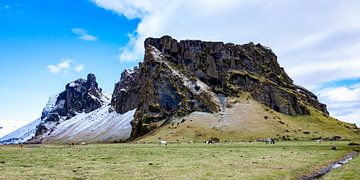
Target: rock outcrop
125 96
228 68
79 96
177 78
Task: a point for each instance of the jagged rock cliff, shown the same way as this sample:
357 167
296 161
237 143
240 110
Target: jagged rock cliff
177 78
125 96
79 96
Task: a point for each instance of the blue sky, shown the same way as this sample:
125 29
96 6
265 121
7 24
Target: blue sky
35 34
45 44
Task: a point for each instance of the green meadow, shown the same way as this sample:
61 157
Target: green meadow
284 160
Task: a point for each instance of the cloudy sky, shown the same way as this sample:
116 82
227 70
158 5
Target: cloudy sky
44 45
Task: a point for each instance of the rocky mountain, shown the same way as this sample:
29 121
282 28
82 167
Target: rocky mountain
178 78
188 90
79 96
82 112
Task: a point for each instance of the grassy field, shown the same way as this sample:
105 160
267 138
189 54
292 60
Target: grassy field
284 160
349 171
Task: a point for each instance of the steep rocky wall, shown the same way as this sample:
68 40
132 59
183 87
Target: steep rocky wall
126 93
248 67
159 91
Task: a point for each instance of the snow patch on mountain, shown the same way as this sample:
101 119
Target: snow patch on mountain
50 105
27 132
22 134
8 126
101 125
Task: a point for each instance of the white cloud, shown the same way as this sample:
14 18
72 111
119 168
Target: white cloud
64 65
340 95
79 68
316 41
317 72
351 117
57 68
130 9
301 33
83 34
130 52
343 102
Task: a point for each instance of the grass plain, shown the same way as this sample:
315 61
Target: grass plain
284 160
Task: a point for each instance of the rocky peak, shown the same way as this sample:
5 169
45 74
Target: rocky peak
91 81
79 96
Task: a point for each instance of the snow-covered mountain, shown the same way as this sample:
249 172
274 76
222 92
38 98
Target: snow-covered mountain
22 134
80 113
28 131
100 125
8 126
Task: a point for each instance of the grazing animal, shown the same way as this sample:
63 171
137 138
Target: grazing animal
214 140
163 143
84 143
269 141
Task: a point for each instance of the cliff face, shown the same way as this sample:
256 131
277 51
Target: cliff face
228 68
125 96
177 78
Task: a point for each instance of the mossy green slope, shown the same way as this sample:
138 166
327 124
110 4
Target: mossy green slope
245 119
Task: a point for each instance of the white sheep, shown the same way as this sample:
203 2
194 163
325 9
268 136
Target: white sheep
163 143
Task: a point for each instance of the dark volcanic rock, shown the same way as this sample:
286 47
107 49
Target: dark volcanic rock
177 78
229 68
165 92
126 93
158 92
79 96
